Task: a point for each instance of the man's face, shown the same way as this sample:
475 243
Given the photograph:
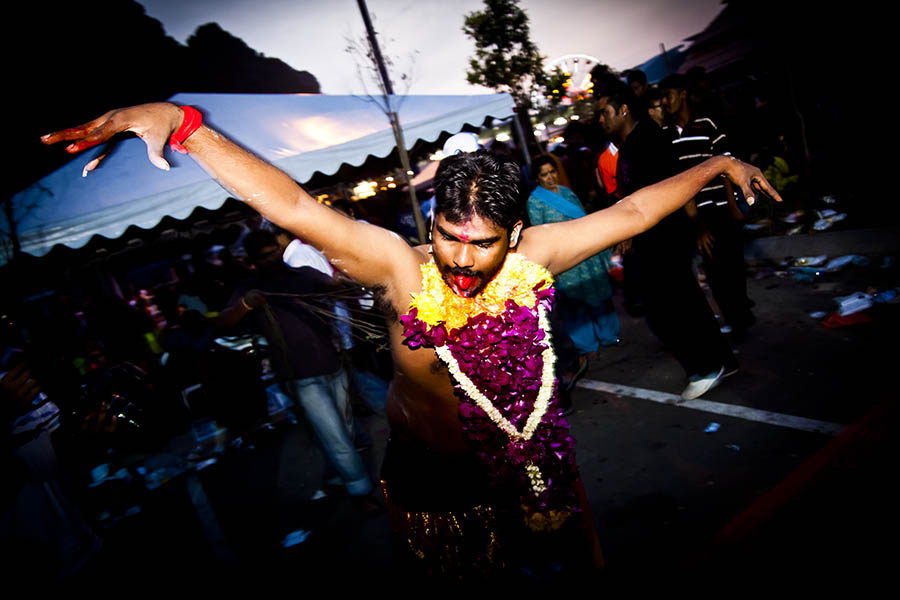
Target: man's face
638 87
547 177
269 258
672 99
609 118
471 253
655 110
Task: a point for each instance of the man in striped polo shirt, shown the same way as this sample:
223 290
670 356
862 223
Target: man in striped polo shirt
713 211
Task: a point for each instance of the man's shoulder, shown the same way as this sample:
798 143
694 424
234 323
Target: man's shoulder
646 131
646 137
702 126
646 159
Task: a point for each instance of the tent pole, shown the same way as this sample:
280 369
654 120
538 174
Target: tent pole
404 161
521 134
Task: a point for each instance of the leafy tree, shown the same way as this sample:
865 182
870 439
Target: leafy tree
505 58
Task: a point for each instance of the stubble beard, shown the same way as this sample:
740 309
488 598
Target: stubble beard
480 278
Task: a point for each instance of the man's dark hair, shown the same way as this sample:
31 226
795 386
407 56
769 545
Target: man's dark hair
256 240
676 81
478 183
636 75
540 161
620 94
652 95
603 77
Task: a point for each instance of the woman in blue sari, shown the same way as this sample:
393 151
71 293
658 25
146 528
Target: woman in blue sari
584 291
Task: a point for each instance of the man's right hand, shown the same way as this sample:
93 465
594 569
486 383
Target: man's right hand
370 255
153 123
18 390
705 242
254 299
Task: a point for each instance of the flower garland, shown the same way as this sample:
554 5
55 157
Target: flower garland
519 280
548 378
497 348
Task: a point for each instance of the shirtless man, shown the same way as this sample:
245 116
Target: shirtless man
476 227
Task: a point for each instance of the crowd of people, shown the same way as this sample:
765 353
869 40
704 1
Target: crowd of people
641 134
91 381
480 476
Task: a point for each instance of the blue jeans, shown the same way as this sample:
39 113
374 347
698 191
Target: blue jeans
326 402
372 389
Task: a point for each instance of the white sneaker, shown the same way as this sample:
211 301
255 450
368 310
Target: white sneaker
700 384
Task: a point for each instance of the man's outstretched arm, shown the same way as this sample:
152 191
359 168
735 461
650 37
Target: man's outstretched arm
369 254
561 246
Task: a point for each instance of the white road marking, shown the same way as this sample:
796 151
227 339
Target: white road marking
731 410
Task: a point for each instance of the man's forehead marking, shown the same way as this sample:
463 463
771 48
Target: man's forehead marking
463 235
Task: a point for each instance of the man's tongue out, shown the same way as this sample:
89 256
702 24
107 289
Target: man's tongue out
463 282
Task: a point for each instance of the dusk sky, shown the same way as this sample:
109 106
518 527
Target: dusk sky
311 34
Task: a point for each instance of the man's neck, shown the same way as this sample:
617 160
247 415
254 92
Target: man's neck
627 128
683 116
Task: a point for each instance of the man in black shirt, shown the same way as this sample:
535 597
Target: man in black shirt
303 353
677 310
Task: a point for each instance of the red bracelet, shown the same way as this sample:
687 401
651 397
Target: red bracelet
189 124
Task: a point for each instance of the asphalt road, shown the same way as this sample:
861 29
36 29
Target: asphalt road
762 496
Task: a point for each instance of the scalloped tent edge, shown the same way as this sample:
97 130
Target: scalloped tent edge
300 133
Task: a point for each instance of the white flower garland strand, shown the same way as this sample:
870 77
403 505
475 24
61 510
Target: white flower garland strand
537 480
541 402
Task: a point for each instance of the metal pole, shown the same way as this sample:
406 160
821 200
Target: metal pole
395 121
376 51
404 161
662 49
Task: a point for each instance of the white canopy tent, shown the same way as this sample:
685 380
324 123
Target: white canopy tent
299 133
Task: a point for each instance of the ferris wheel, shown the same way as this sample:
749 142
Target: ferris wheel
578 68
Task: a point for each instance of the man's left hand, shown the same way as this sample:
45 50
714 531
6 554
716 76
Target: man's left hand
751 181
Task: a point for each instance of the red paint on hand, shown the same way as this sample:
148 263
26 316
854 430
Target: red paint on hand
82 145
